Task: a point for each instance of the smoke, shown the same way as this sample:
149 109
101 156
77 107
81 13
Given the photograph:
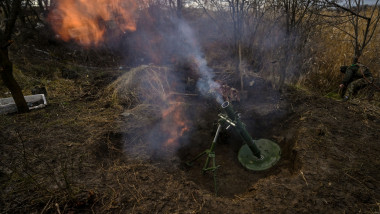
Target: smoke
179 42
169 40
163 39
161 36
205 84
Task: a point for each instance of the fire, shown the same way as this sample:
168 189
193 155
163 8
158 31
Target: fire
86 21
175 124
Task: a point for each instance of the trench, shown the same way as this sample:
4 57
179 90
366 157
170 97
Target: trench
231 177
266 115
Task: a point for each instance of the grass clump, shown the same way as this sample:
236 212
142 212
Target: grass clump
144 84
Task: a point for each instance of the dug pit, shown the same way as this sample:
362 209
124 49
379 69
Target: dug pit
231 177
171 129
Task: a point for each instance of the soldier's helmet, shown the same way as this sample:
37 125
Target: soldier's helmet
343 68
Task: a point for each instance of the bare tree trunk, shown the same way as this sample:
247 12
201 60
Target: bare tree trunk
6 67
10 82
179 8
241 73
237 13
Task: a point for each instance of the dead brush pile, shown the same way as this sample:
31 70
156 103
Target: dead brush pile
145 84
144 95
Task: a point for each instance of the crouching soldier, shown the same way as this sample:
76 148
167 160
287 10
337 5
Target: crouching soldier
356 76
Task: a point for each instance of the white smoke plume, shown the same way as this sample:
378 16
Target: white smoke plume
205 84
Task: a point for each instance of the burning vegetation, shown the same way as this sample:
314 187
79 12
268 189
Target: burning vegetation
154 86
87 21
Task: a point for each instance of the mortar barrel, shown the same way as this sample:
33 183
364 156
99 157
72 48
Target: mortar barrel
229 110
240 128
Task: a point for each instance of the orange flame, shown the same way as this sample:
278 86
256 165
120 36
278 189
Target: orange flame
175 123
86 20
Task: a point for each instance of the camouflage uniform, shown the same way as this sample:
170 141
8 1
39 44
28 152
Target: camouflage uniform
229 93
356 77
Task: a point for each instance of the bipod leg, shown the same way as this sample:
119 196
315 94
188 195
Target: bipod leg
190 163
210 155
207 151
215 179
210 152
212 168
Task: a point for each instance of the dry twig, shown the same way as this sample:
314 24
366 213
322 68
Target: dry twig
303 176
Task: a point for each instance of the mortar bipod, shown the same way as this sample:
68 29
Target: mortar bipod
210 155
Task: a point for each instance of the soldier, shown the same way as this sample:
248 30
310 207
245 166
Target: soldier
229 93
356 76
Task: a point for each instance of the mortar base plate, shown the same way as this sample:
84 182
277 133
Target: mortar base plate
270 151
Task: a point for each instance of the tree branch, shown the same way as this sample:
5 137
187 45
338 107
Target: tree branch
347 10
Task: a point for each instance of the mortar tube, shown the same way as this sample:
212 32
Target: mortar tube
229 111
215 138
240 127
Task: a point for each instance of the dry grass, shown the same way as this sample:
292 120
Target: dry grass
45 153
144 84
335 49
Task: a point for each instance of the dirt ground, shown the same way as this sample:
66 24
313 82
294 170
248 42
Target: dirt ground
82 154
